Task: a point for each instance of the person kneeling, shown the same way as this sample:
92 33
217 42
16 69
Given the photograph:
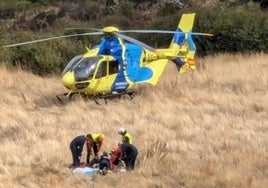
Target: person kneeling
129 154
104 163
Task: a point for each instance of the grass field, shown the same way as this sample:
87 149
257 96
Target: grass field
207 128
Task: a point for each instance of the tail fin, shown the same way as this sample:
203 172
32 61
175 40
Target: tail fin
183 45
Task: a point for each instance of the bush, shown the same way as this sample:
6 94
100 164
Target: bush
83 11
242 29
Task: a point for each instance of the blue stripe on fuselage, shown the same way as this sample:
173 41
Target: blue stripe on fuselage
135 72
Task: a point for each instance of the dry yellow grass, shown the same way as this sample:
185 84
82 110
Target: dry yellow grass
208 128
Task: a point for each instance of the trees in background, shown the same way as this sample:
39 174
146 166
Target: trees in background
238 26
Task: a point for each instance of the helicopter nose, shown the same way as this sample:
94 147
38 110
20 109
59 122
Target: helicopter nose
68 79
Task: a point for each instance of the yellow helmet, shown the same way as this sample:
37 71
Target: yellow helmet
101 137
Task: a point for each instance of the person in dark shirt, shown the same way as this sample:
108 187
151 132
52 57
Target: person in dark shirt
104 163
76 147
129 154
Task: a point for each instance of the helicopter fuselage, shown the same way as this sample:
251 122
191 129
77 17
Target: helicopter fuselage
94 74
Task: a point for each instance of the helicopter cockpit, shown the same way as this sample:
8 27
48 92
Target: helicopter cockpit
83 68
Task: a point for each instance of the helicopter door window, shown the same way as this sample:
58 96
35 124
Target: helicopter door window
102 70
113 67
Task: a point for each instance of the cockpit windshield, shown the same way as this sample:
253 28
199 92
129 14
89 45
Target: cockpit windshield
83 67
71 64
84 70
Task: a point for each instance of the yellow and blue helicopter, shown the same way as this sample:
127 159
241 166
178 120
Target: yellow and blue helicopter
119 62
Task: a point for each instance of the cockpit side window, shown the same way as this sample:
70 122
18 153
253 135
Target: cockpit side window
102 70
113 67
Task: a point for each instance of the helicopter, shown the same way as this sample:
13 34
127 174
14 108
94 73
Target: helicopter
119 62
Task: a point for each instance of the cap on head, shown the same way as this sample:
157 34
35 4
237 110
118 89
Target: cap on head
121 131
101 137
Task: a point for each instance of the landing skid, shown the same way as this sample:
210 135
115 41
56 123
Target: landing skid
65 98
112 96
130 94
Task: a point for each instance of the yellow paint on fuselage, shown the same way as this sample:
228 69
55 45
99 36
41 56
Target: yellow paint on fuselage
68 80
104 84
91 52
158 67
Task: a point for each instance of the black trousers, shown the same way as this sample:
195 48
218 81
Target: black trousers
76 153
130 160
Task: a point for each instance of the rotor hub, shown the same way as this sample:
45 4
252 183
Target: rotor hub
110 29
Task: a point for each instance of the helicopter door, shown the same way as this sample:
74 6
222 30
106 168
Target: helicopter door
105 76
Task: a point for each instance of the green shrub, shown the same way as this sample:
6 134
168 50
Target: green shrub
126 9
241 29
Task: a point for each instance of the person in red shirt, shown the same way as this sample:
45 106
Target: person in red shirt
115 155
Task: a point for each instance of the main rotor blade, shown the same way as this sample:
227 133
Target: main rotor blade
163 32
146 31
52 38
134 41
83 28
202 34
149 31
